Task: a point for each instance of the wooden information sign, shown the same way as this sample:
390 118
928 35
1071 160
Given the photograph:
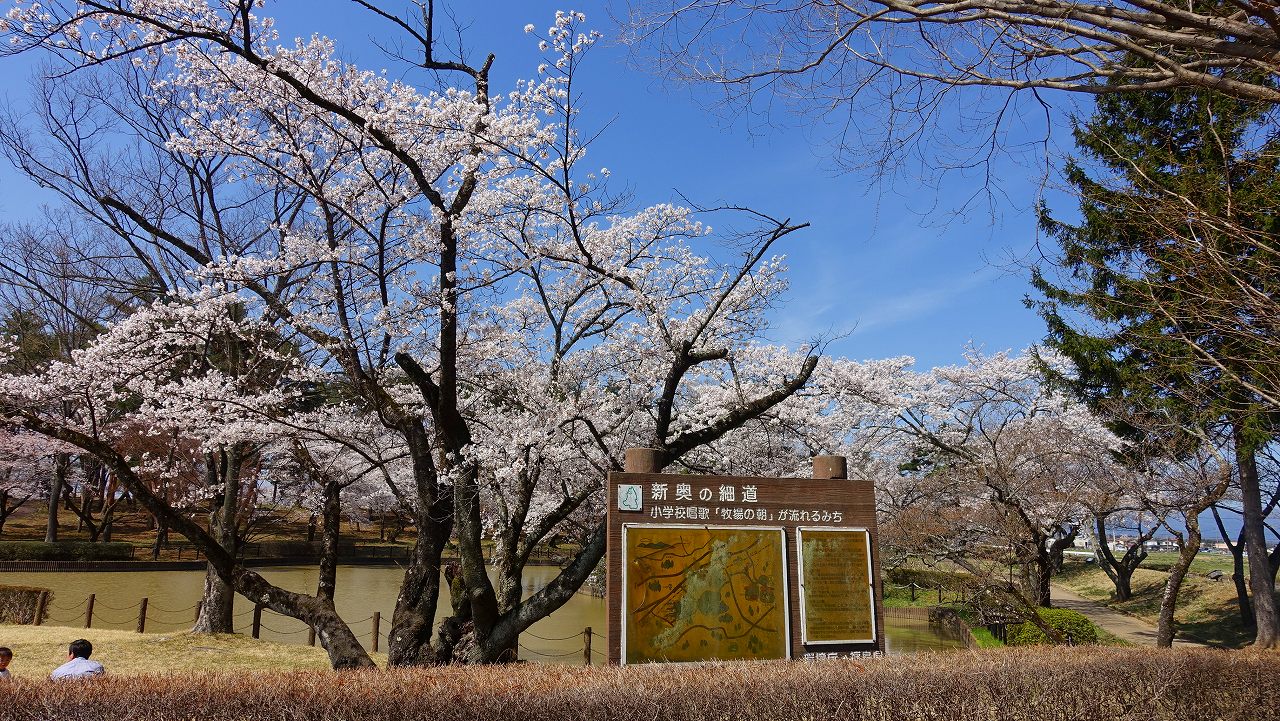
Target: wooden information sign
707 568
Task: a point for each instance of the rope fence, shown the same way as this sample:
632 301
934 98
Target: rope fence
915 588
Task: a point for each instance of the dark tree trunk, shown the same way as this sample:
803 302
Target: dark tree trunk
506 633
1120 570
1040 565
328 582
1238 577
6 509
222 473
61 464
1261 582
108 521
162 539
412 623
1165 626
216 605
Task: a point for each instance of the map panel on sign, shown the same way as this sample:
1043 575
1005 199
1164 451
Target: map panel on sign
704 593
835 586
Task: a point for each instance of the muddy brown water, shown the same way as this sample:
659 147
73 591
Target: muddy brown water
361 590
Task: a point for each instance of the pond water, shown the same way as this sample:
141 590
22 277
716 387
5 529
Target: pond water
361 590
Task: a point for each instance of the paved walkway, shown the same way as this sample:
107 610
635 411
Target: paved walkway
1134 630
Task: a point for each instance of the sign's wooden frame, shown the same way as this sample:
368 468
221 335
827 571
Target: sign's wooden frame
853 501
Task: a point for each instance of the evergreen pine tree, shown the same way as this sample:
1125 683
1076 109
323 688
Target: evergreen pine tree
1170 184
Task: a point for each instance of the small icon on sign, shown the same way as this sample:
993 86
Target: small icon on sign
629 497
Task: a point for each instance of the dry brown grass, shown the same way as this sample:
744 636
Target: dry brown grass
1014 685
39 649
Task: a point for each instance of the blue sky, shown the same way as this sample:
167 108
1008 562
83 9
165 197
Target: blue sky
884 262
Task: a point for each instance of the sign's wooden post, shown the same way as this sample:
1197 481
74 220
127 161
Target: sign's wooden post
722 567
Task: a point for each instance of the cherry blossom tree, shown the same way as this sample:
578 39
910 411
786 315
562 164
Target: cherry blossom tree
155 363
26 461
464 279
987 457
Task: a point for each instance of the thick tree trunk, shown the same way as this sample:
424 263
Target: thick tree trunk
328 582
222 471
1165 626
1261 582
505 634
1042 574
216 605
61 463
413 622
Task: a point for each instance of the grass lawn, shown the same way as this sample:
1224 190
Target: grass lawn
37 650
1207 609
1204 562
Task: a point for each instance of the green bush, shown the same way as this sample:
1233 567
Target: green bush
1071 624
64 551
18 604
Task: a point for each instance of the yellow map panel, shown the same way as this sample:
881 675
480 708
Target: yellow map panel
697 594
835 586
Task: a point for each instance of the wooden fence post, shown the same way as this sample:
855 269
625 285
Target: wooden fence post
377 621
199 608
939 594
586 645
913 591
142 617
257 620
311 636
88 611
41 603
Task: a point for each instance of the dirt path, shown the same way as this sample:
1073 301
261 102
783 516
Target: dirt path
1133 630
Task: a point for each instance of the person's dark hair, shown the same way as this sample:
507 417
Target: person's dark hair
5 652
80 648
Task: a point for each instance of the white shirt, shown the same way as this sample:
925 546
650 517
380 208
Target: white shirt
77 668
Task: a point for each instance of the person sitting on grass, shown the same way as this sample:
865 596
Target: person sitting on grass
78 664
5 657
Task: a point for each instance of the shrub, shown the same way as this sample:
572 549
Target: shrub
1071 624
64 551
1026 684
18 604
